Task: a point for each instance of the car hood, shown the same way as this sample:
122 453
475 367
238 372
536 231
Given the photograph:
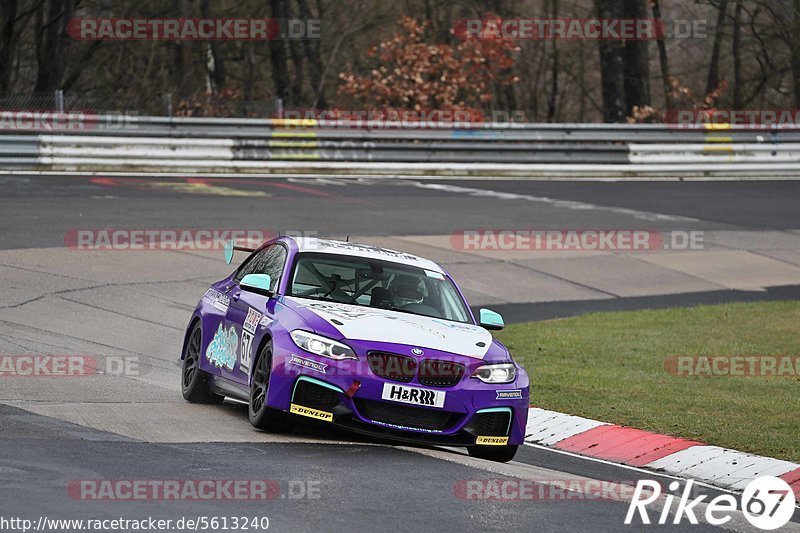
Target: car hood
380 325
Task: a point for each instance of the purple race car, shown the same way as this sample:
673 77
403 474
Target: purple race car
370 339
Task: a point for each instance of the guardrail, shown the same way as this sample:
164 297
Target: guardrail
277 146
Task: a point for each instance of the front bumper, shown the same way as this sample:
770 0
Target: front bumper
349 394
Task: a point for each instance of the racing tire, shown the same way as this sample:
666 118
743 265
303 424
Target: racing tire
500 454
195 386
260 414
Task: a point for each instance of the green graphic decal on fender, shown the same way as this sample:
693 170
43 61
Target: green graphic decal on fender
221 350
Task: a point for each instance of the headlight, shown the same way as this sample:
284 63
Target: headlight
317 344
502 373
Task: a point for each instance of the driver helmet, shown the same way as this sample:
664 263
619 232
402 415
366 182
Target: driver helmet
406 290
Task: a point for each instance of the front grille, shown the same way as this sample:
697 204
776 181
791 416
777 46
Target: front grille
392 366
310 394
490 424
407 416
440 373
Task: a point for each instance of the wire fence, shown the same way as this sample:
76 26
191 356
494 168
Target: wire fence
230 105
165 104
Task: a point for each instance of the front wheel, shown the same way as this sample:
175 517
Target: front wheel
500 454
194 382
260 414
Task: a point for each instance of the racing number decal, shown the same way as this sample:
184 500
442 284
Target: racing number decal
246 353
248 332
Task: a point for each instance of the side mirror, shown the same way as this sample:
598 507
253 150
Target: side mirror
257 283
491 320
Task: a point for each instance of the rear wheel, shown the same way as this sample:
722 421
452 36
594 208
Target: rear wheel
500 454
260 414
194 381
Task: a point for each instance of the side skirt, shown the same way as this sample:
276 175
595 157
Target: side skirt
232 390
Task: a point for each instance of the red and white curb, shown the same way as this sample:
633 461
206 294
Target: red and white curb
722 467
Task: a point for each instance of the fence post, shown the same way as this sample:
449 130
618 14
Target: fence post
168 103
59 100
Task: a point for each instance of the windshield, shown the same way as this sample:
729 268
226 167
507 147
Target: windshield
379 284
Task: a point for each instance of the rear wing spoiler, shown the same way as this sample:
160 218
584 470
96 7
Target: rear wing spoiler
231 247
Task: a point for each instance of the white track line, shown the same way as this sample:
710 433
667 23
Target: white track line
18 172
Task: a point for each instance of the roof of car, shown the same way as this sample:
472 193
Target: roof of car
329 246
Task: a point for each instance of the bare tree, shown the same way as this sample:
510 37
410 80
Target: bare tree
8 40
737 55
181 70
636 61
311 50
215 62
662 58
796 56
612 65
52 43
277 53
712 81
552 99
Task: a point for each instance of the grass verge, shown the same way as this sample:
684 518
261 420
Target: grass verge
611 367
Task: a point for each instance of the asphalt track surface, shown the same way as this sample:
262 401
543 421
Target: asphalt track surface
36 210
54 432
